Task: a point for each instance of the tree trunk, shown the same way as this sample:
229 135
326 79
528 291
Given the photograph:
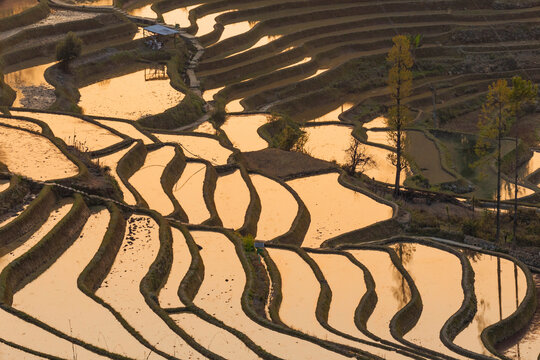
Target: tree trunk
398 132
514 232
499 136
398 156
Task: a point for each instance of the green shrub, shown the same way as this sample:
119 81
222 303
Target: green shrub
421 181
69 48
249 243
288 136
470 227
219 114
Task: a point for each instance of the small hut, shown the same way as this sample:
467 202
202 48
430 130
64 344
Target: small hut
157 36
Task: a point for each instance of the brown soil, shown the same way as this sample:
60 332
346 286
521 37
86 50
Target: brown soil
260 285
37 97
286 164
466 123
438 209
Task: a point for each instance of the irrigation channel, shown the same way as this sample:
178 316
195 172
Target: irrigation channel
134 226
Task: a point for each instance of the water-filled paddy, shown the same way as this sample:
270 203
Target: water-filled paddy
31 87
95 2
261 42
199 147
234 29
147 180
168 296
205 128
220 295
54 217
528 347
379 137
8 352
189 192
112 161
213 337
317 73
346 291
75 131
508 191
23 333
32 337
145 11
242 131
533 164
427 157
179 16
330 142
207 22
303 61
393 292
378 122
22 124
208 95
121 288
232 199
128 97
33 156
334 114
335 209
499 288
279 208
126 129
440 291
300 289
234 106
55 298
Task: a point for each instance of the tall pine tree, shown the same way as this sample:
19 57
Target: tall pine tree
494 122
400 83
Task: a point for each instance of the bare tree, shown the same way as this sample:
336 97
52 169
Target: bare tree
357 159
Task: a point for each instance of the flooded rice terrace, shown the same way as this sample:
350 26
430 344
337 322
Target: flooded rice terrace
216 180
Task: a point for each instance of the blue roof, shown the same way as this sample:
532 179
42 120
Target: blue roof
161 30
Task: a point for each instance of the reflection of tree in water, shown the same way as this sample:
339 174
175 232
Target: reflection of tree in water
482 307
401 290
105 82
472 255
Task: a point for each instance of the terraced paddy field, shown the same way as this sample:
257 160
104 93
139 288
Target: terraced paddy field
31 87
192 199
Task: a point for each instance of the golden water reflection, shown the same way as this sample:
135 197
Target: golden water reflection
33 156
129 97
441 291
31 83
335 209
330 143
179 16
499 288
242 131
145 11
